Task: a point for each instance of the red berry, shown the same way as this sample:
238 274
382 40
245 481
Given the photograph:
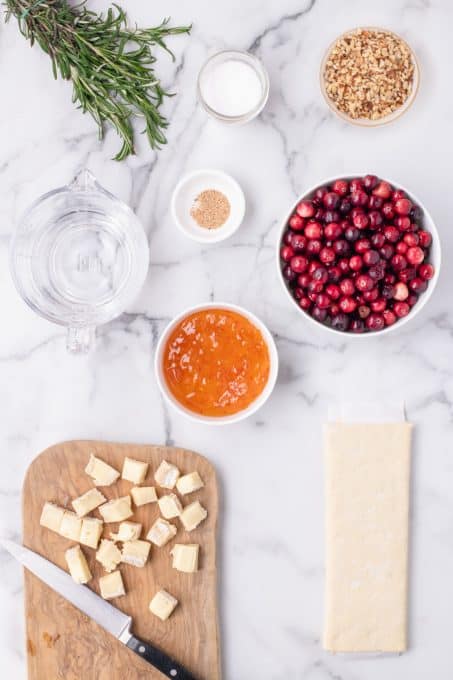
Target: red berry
426 271
315 287
375 203
357 326
314 247
341 247
387 211
331 216
403 206
286 253
344 265
327 255
411 239
356 263
412 299
360 221
359 198
299 264
415 255
370 181
398 262
331 200
320 193
371 257
320 274
391 234
332 231
304 280
375 322
305 209
401 291
340 322
389 317
397 194
334 274
375 219
333 291
403 223
379 305
356 184
288 273
351 233
313 230
298 293
348 305
299 242
418 285
370 295
378 239
347 287
323 301
363 311
407 274
362 245
386 251
319 314
401 248
296 222
383 190
364 282
425 238
341 187
305 303
401 309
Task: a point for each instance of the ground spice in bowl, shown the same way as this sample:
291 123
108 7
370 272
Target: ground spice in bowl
211 209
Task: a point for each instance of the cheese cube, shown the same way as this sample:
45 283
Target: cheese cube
163 604
136 553
189 483
88 502
127 531
134 470
91 531
116 510
193 515
111 585
70 526
108 555
161 532
51 517
141 495
101 473
166 475
77 564
185 557
170 506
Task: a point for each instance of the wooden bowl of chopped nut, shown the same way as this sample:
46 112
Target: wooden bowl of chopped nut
369 76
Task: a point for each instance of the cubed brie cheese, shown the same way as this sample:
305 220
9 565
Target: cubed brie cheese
170 506
88 502
127 531
161 532
70 526
51 517
135 553
116 510
166 475
108 555
134 470
185 557
111 585
101 473
193 515
189 483
163 604
77 564
91 531
141 495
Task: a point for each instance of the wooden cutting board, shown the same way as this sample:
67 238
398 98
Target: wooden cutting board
62 643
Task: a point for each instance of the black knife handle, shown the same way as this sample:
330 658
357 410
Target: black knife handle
165 664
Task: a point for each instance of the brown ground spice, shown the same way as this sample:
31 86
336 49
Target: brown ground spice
211 209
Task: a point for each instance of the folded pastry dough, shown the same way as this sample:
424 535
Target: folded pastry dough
367 469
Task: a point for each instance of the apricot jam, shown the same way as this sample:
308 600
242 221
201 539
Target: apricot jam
216 362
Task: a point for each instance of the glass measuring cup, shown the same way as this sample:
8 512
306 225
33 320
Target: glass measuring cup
79 257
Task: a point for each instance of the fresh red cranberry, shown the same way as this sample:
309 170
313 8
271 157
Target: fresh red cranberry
383 190
356 184
351 234
304 280
418 285
314 264
299 242
403 206
288 237
415 213
408 274
360 221
363 311
298 293
289 274
375 219
299 264
378 239
315 287
415 255
412 299
319 314
331 200
341 247
387 251
356 263
313 230
305 209
370 181
364 282
401 291
425 238
401 247
305 303
390 278
357 326
388 291
335 274
296 222
398 262
347 287
387 211
401 309
359 198
414 227
389 317
397 194
356 211
362 245
320 274
379 305
314 247
370 295
377 271
327 255
426 271
341 187
375 202
348 305
371 257
344 265
286 253
345 206
334 309
323 301
411 240
403 223
375 322
332 231
333 291
320 193
391 233
344 224
319 215
340 322
331 216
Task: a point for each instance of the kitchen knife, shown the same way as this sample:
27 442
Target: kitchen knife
102 612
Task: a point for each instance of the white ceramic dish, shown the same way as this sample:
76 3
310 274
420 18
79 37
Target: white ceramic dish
435 259
255 405
187 190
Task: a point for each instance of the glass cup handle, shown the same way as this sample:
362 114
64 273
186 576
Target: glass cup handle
80 340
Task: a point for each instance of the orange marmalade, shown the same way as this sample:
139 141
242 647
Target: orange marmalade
216 362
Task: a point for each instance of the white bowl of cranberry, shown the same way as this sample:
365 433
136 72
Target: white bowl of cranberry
359 255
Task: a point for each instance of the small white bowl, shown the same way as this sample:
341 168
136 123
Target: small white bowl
435 259
221 420
185 194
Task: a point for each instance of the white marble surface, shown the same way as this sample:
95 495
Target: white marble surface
270 467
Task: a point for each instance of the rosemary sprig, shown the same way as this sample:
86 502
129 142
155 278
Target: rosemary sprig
111 66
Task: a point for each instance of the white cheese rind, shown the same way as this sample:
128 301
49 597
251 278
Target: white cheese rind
185 557
111 585
170 506
142 495
161 532
91 531
70 526
167 475
77 565
189 483
134 470
88 502
193 515
127 531
136 553
116 510
163 604
101 473
52 516
108 555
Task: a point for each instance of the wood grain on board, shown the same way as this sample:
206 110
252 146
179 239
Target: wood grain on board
62 643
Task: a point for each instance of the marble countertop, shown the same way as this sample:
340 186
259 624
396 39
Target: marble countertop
270 466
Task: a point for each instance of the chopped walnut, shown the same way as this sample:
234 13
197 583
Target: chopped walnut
369 74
